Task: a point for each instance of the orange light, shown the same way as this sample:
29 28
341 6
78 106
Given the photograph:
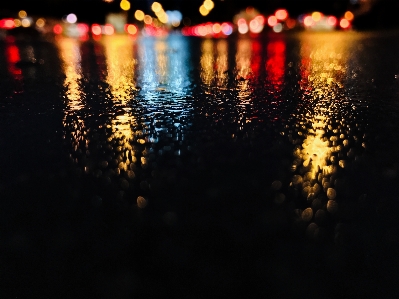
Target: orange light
57 29
344 23
332 21
281 14
217 28
131 29
349 16
96 29
272 20
316 16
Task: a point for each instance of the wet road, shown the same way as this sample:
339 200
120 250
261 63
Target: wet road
197 168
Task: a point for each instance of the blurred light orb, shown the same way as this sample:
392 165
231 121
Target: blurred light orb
281 14
272 20
22 14
57 29
71 18
109 29
25 23
243 28
125 5
332 21
156 7
344 23
278 28
308 21
209 5
40 22
203 11
131 29
139 15
147 19
349 16
96 29
227 29
217 28
316 16
17 23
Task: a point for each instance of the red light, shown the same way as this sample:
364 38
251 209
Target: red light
57 29
272 20
332 21
344 23
96 29
260 19
7 23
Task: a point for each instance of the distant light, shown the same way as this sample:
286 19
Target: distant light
17 23
156 7
209 5
308 21
316 16
243 28
22 14
131 29
40 22
203 11
7 23
109 29
241 22
71 18
255 26
163 18
349 16
344 23
108 1
96 29
281 14
217 28
260 19
332 21
139 15
272 20
57 29
176 23
25 23
227 29
125 5
290 23
278 27
147 19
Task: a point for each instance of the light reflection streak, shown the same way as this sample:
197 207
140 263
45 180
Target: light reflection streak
320 123
13 57
207 62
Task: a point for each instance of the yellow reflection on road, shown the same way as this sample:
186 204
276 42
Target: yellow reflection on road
207 62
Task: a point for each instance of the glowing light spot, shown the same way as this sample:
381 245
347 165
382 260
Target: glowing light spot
109 29
131 29
349 16
22 14
331 193
227 29
217 28
344 23
57 29
141 202
272 20
332 21
278 28
209 5
17 23
281 14
307 214
40 22
139 15
96 29
156 7
243 28
71 18
25 23
316 16
125 5
203 11
147 19
308 21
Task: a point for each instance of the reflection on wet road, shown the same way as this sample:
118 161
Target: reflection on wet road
241 164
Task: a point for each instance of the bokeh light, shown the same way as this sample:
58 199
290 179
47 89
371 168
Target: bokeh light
139 15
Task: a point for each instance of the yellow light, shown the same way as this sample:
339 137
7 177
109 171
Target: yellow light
147 19
131 29
40 22
22 14
156 7
203 11
316 16
125 5
349 16
209 5
163 18
17 23
25 23
139 15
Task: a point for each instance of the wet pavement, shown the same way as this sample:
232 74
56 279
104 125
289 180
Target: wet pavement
200 168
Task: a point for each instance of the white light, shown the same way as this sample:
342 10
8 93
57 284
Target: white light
278 28
71 18
243 28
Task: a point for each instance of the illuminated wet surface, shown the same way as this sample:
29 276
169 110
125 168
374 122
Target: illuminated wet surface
152 166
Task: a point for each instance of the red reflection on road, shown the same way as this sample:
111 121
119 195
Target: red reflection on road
275 64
